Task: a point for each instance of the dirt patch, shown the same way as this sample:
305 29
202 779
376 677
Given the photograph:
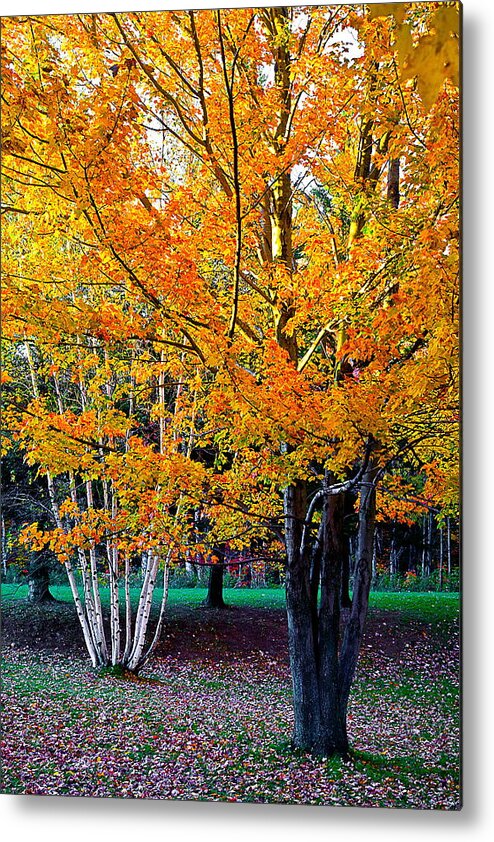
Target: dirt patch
226 632
196 633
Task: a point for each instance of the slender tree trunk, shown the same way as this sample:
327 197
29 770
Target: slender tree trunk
440 558
114 595
392 552
128 610
86 631
93 566
346 600
354 629
429 545
3 546
393 186
159 626
424 543
448 523
142 620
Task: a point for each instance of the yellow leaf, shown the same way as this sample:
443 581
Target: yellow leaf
382 10
403 44
446 22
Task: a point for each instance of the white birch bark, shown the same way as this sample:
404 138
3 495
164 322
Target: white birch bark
94 582
80 609
114 598
147 591
128 604
89 576
159 626
128 612
88 638
143 613
142 600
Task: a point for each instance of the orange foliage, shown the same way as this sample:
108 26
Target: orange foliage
179 361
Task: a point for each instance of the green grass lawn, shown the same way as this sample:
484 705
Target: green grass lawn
429 606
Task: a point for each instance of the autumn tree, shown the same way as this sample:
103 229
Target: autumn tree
239 226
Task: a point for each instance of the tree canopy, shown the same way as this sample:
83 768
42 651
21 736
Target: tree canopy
230 259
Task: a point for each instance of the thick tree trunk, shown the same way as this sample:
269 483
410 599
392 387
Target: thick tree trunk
333 734
301 641
313 630
322 671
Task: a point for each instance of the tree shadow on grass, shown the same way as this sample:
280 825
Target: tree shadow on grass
380 766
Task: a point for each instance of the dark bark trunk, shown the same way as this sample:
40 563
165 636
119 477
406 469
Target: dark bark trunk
346 600
354 629
393 186
322 670
300 622
214 598
313 629
392 551
315 574
423 545
333 734
39 586
429 545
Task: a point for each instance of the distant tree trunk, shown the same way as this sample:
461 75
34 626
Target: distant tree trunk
3 546
39 585
440 558
424 543
190 569
448 522
214 598
392 552
429 545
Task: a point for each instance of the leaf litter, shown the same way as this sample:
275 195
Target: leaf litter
216 726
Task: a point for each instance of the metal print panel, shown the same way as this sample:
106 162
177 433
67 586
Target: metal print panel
230 536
